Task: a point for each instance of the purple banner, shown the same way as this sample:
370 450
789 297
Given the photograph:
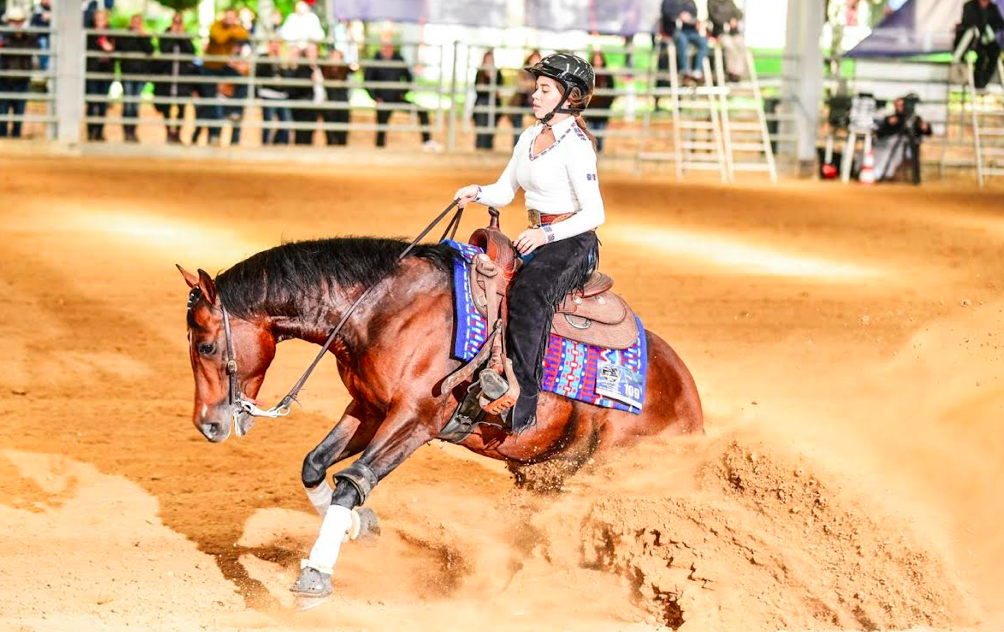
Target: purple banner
611 17
470 13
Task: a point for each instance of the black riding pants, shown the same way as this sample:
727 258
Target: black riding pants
538 288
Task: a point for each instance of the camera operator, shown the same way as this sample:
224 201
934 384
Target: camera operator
899 136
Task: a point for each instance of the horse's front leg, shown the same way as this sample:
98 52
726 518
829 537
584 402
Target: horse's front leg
397 438
348 438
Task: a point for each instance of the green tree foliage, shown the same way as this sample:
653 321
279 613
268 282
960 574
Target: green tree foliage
179 5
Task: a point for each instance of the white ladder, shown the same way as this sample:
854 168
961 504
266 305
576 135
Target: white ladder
696 127
987 115
744 122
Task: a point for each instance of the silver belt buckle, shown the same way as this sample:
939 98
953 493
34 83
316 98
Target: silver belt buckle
534 216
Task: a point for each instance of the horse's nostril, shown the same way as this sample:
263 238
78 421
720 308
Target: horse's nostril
211 430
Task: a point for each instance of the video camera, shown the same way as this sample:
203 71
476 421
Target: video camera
910 102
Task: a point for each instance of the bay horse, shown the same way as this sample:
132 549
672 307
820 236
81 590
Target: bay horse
392 353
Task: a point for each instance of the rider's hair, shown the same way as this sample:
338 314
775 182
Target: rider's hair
576 101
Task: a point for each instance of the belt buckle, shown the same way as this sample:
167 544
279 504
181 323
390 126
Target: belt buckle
534 216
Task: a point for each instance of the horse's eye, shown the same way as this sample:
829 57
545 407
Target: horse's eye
207 348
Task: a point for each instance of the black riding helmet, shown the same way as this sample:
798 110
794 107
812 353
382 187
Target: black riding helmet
571 71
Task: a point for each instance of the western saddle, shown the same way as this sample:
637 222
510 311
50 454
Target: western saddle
594 316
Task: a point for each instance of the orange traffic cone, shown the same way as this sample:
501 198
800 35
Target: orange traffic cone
867 174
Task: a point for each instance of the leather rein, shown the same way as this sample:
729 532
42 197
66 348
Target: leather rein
249 407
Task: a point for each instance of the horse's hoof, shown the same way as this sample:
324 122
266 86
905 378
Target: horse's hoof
312 584
369 526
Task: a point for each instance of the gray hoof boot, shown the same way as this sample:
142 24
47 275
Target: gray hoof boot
312 583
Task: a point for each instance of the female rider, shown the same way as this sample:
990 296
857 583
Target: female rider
555 164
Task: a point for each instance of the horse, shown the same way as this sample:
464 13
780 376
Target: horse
392 353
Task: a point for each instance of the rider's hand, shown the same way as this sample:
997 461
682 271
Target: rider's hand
466 195
529 240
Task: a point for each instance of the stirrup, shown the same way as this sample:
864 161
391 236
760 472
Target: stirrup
508 395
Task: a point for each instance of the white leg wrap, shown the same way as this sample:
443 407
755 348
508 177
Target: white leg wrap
336 524
320 497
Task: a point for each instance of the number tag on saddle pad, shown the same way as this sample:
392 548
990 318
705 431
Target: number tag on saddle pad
619 383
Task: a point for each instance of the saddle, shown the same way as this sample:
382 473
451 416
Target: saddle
594 315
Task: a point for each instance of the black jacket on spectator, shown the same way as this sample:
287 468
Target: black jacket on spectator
483 87
99 63
133 45
389 75
339 72
19 62
975 15
720 13
38 18
305 92
267 72
176 69
671 10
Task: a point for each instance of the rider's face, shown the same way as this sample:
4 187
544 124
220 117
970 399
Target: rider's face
546 96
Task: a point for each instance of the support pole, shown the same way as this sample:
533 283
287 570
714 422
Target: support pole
69 63
804 82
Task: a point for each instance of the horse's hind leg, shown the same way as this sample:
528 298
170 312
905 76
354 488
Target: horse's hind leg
397 438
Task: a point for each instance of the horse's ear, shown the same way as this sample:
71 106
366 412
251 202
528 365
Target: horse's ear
190 278
207 286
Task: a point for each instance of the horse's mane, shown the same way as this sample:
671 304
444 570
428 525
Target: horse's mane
275 279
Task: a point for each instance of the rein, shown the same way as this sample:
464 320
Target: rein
236 397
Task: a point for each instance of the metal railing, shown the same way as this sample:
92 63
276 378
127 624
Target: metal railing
221 88
197 93
640 116
27 82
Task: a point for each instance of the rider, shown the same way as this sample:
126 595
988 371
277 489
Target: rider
555 163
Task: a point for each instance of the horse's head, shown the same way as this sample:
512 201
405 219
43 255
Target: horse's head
252 350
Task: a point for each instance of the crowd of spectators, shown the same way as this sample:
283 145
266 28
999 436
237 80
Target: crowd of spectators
299 81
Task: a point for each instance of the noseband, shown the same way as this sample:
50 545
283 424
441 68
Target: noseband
236 395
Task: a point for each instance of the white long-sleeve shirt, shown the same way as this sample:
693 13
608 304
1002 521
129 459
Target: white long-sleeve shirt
561 179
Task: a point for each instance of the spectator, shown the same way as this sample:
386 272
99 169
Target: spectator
100 47
247 18
338 95
275 21
309 91
724 16
19 65
525 86
487 82
346 43
599 102
679 20
224 35
302 26
131 66
174 42
272 72
236 90
898 138
985 17
41 18
91 7
389 67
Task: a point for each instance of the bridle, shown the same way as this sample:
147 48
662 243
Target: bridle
235 396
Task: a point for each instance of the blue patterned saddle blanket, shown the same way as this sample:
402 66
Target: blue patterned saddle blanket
610 378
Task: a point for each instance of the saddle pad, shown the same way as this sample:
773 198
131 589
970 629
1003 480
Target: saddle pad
610 378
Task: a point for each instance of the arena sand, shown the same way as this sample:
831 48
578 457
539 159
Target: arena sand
846 342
